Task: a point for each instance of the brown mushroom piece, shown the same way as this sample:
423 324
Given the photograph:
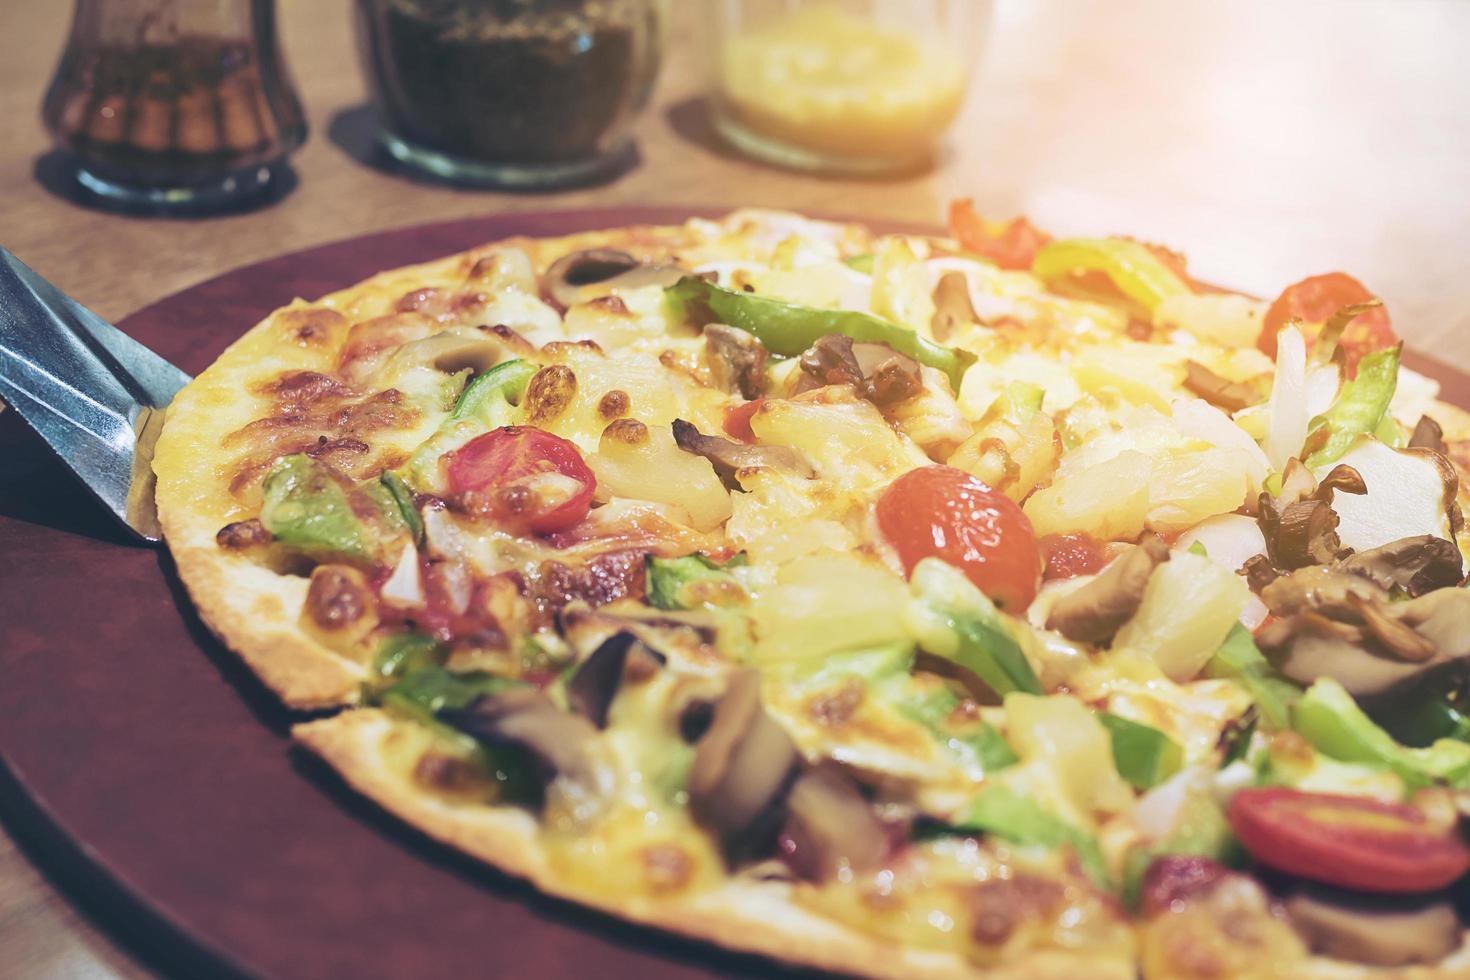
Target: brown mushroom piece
1428 435
1417 564
565 278
952 306
596 682
729 457
1375 930
1097 610
875 371
830 826
743 765
1232 396
558 742
1303 532
737 360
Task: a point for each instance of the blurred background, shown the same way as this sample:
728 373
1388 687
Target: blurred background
1267 139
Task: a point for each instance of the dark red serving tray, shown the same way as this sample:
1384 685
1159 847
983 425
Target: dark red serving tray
150 773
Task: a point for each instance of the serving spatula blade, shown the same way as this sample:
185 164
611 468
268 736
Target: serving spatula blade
94 394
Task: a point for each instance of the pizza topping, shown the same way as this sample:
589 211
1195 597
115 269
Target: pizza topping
955 620
314 510
879 374
1069 555
620 657
737 360
1315 301
523 477
243 535
1376 930
943 512
830 828
742 765
1009 244
788 329
340 606
730 458
560 744
1130 268
1359 409
1232 396
566 278
952 306
1093 613
548 394
1349 841
1428 435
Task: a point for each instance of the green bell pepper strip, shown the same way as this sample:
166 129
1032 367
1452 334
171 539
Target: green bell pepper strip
1360 406
403 501
1428 720
407 653
1144 755
430 689
978 740
691 582
1329 718
1001 811
306 508
1240 660
1134 270
487 402
787 329
974 635
1020 401
862 263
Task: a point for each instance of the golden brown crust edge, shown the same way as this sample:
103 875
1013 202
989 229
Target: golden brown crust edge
253 610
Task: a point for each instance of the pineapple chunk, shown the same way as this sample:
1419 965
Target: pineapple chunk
846 438
1109 500
1185 488
643 463
1061 735
1188 607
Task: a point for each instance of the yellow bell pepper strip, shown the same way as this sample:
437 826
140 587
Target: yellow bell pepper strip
1137 273
787 329
1359 408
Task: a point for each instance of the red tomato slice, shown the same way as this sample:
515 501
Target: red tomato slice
1349 841
529 478
943 512
1011 245
1313 301
1070 555
737 420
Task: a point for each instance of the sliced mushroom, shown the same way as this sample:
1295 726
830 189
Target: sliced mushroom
1300 526
737 360
877 372
592 688
1232 396
1318 588
1428 435
743 766
830 827
1376 930
952 306
1443 616
1098 609
729 457
610 268
686 638
1417 564
558 742
1394 636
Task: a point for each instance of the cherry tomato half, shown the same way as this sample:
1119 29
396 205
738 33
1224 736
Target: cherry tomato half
1313 301
1011 245
1070 555
737 420
1349 841
528 478
943 512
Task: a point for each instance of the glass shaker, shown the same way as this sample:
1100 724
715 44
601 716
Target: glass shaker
841 86
174 104
510 93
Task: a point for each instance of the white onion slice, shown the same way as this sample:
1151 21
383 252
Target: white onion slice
1286 411
405 587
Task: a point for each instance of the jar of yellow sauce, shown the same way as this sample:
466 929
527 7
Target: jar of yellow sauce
848 86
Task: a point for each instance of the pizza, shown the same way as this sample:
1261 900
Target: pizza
979 604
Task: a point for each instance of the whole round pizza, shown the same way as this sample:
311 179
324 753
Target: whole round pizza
983 605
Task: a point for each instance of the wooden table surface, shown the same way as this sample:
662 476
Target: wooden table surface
1268 140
